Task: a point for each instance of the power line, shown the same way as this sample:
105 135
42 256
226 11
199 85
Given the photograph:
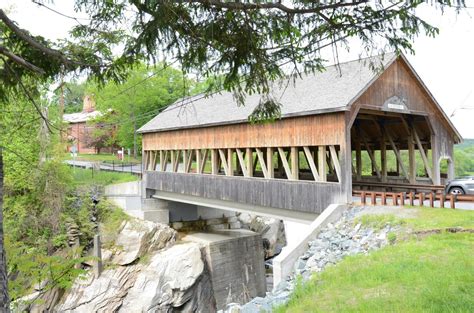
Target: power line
59 13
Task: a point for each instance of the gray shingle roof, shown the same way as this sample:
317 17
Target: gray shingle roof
329 91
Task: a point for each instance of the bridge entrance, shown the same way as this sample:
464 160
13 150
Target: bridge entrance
391 148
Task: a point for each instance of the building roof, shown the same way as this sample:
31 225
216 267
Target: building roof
81 117
333 90
329 91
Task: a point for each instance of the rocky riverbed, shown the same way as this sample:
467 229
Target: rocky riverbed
343 238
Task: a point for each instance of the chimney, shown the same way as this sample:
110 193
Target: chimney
88 104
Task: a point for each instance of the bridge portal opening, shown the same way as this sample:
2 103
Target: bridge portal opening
390 150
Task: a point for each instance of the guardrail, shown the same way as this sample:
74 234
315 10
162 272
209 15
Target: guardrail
400 198
400 186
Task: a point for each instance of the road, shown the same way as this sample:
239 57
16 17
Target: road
127 168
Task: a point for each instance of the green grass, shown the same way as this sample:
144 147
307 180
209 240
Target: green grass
433 274
379 221
103 157
424 218
89 177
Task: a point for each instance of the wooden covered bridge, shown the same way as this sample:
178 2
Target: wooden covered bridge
343 128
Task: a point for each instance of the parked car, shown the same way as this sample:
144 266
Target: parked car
461 186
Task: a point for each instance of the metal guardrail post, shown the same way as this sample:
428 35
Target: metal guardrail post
453 201
421 197
373 199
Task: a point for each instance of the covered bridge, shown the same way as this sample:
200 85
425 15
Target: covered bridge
347 126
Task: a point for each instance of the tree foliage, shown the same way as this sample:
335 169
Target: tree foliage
251 43
247 44
136 101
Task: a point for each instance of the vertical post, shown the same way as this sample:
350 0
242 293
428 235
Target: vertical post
435 161
230 162
98 256
411 198
198 161
397 166
214 160
270 166
383 156
441 200
358 160
161 160
421 197
173 160
185 158
249 155
295 167
373 198
411 158
402 198
322 163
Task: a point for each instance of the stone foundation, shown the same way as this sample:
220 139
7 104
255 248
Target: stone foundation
235 261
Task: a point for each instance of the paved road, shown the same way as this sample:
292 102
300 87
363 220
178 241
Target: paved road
135 168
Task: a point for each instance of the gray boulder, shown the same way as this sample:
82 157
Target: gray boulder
138 237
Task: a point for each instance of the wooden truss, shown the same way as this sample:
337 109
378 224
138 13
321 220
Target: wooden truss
316 163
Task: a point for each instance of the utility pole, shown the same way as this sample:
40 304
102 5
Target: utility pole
61 109
61 99
43 136
4 299
134 126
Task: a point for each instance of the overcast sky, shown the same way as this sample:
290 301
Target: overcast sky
445 63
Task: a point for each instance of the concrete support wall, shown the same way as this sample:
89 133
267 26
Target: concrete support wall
284 262
235 260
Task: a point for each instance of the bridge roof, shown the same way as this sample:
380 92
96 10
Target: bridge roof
333 90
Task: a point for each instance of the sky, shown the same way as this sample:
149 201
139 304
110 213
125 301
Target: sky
444 63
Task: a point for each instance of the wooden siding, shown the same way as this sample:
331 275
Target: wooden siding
399 80
302 196
325 129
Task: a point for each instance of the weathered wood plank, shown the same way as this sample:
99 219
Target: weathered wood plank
214 162
250 162
270 167
335 162
423 154
322 163
223 160
295 165
261 160
240 157
312 130
311 196
312 165
230 162
284 162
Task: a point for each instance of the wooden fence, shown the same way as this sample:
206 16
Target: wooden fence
402 198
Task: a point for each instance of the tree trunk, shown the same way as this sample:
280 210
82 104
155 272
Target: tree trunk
4 301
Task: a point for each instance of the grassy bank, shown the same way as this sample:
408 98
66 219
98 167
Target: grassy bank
88 177
430 273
